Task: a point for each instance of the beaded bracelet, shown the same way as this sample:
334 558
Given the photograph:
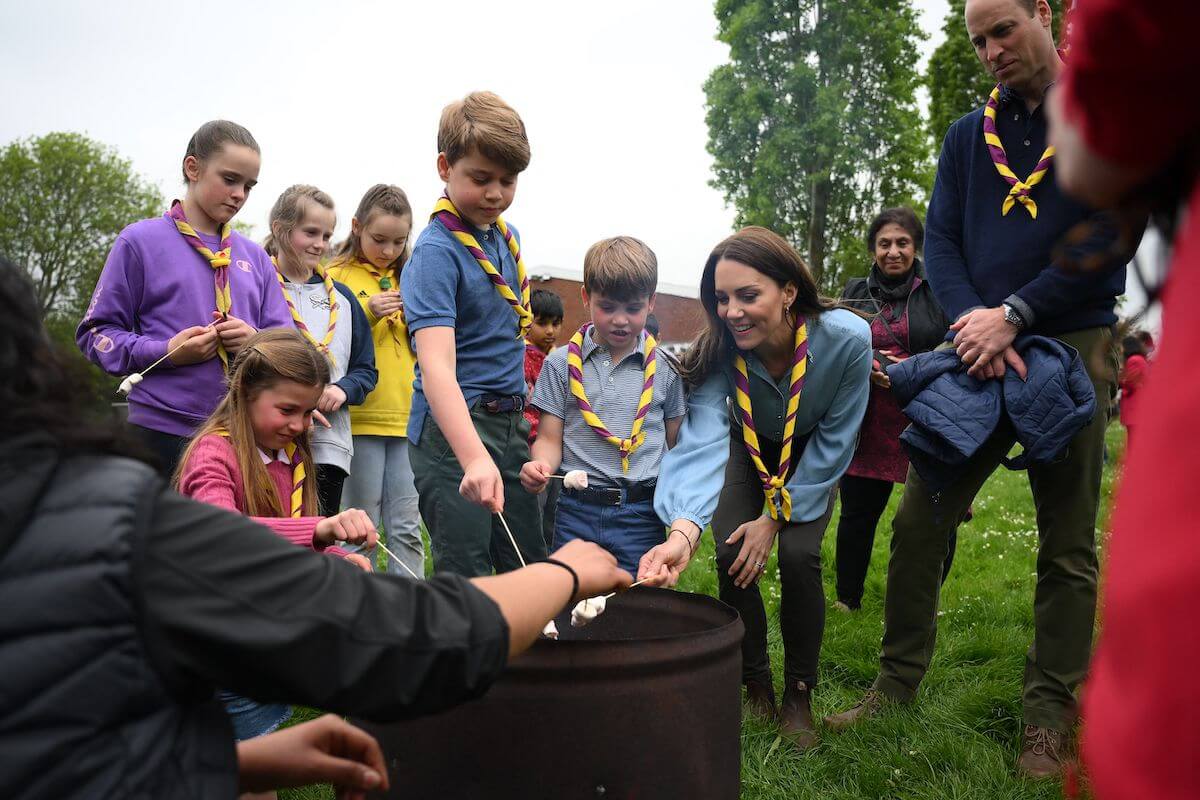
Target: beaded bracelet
568 568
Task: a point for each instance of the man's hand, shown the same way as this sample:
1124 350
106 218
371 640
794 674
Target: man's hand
981 339
332 399
326 750
233 332
482 484
535 475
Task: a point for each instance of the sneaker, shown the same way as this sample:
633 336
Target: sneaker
795 717
1043 753
871 704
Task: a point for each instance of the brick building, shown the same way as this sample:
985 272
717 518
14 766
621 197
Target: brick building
677 308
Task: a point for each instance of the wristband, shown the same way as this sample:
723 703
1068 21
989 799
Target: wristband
686 538
568 568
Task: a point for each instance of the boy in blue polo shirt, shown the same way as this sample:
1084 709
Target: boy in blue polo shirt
611 406
466 302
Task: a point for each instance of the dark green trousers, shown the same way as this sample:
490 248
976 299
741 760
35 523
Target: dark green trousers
1066 495
466 539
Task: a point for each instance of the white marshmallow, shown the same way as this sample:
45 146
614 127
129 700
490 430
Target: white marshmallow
130 382
587 610
550 631
575 479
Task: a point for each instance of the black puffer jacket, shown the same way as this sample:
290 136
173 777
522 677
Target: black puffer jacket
927 323
124 604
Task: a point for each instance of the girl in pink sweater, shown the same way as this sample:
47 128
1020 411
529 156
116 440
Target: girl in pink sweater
252 456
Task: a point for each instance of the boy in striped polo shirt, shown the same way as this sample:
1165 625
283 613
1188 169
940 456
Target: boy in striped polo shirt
611 406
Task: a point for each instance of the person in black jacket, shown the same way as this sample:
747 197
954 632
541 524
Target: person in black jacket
126 604
905 320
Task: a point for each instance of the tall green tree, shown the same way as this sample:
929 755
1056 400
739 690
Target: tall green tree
63 200
957 82
813 124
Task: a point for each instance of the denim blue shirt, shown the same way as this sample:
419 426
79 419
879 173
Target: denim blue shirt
444 286
832 404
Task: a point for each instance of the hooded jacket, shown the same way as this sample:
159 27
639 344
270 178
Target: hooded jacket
953 414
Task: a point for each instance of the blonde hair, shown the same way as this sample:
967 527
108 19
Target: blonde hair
287 214
623 268
265 360
382 198
482 121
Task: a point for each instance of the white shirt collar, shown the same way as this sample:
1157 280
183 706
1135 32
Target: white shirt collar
278 455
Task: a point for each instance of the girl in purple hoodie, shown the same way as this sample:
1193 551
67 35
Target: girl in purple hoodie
186 289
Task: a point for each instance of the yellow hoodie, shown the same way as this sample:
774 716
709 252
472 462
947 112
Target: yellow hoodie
385 411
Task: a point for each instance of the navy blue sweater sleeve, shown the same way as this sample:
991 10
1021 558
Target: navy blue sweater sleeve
361 375
945 264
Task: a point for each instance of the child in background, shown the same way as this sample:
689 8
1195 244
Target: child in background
611 407
466 296
302 222
547 308
253 457
381 477
185 283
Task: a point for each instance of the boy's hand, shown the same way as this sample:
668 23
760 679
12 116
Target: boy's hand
352 525
331 400
535 475
233 331
196 344
326 750
482 484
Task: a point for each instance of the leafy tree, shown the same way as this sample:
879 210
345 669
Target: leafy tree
813 124
957 82
63 200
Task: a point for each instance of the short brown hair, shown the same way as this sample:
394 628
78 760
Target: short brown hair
482 121
623 268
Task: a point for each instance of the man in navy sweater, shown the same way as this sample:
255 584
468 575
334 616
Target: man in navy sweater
994 218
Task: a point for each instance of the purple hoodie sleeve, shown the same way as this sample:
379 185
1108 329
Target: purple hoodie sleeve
107 334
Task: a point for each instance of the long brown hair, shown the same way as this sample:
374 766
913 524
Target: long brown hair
265 360
768 253
287 214
212 136
380 198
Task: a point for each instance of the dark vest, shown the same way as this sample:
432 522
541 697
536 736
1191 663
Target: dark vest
83 712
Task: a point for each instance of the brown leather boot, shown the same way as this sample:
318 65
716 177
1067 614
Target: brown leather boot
795 716
1043 753
869 706
760 697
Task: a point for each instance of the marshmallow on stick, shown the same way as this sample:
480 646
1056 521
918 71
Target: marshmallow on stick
575 479
550 631
587 610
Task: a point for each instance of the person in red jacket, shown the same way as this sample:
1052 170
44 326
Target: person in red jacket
1127 123
1133 374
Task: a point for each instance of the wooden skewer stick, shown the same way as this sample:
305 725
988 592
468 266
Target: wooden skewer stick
169 353
398 561
635 583
512 539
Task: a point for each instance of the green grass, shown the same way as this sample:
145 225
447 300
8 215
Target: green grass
961 739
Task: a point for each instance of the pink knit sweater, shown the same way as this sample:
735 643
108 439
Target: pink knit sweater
211 475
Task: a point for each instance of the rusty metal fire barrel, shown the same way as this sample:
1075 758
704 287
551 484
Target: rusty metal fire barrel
645 702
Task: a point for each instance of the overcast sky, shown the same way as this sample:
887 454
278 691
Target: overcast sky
344 95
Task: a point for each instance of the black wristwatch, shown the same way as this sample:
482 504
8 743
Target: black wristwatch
1013 317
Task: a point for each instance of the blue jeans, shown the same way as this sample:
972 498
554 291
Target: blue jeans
251 718
626 531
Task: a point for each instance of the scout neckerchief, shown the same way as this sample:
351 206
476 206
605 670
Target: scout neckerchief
779 502
219 261
322 345
296 457
575 379
386 284
448 215
1020 188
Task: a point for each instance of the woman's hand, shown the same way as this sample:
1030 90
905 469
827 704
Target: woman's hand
664 563
757 538
326 750
352 525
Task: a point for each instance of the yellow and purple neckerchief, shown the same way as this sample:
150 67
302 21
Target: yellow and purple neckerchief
322 345
779 502
575 380
296 457
1019 193
219 261
448 215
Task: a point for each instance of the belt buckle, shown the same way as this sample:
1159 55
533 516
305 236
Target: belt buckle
613 496
492 406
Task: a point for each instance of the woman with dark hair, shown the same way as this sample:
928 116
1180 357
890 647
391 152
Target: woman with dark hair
125 604
905 320
1133 375
780 380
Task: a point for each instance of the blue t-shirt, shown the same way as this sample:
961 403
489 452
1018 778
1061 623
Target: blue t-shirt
444 286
